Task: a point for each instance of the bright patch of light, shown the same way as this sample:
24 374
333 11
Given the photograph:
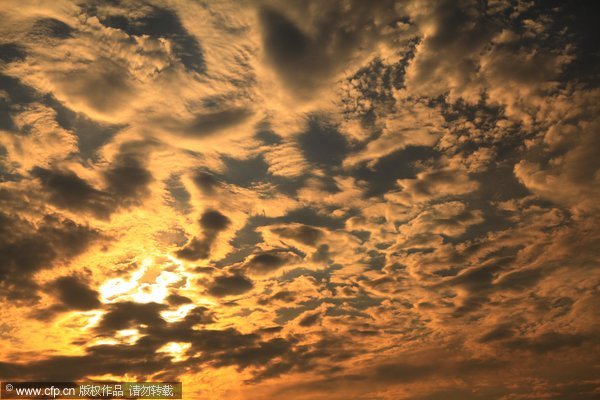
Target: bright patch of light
150 293
177 315
168 278
145 285
128 336
106 341
176 350
93 317
115 287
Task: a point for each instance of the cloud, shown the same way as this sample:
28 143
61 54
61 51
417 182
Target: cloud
67 190
157 22
75 294
177 300
569 177
285 160
546 342
126 183
206 182
127 178
431 185
301 199
27 249
308 55
304 234
212 222
229 285
129 315
450 219
410 125
205 123
43 141
309 320
79 87
446 59
266 262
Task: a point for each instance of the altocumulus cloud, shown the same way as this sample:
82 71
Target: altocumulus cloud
303 199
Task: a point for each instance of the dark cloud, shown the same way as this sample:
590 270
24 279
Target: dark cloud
303 233
209 123
75 294
45 28
391 375
11 52
229 285
288 47
127 177
195 249
546 342
521 279
99 360
404 372
179 197
272 329
206 182
284 296
310 319
322 254
129 314
198 315
177 300
266 262
218 348
67 190
212 222
322 144
500 332
246 171
26 249
478 282
18 93
258 355
310 216
581 29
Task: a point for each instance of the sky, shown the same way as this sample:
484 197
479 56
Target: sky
337 199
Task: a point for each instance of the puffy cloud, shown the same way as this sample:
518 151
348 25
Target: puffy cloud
569 173
43 141
285 160
446 59
449 219
308 45
431 185
411 125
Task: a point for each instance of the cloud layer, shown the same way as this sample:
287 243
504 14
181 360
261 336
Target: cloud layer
302 199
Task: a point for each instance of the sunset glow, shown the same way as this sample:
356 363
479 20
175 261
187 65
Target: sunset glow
302 199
